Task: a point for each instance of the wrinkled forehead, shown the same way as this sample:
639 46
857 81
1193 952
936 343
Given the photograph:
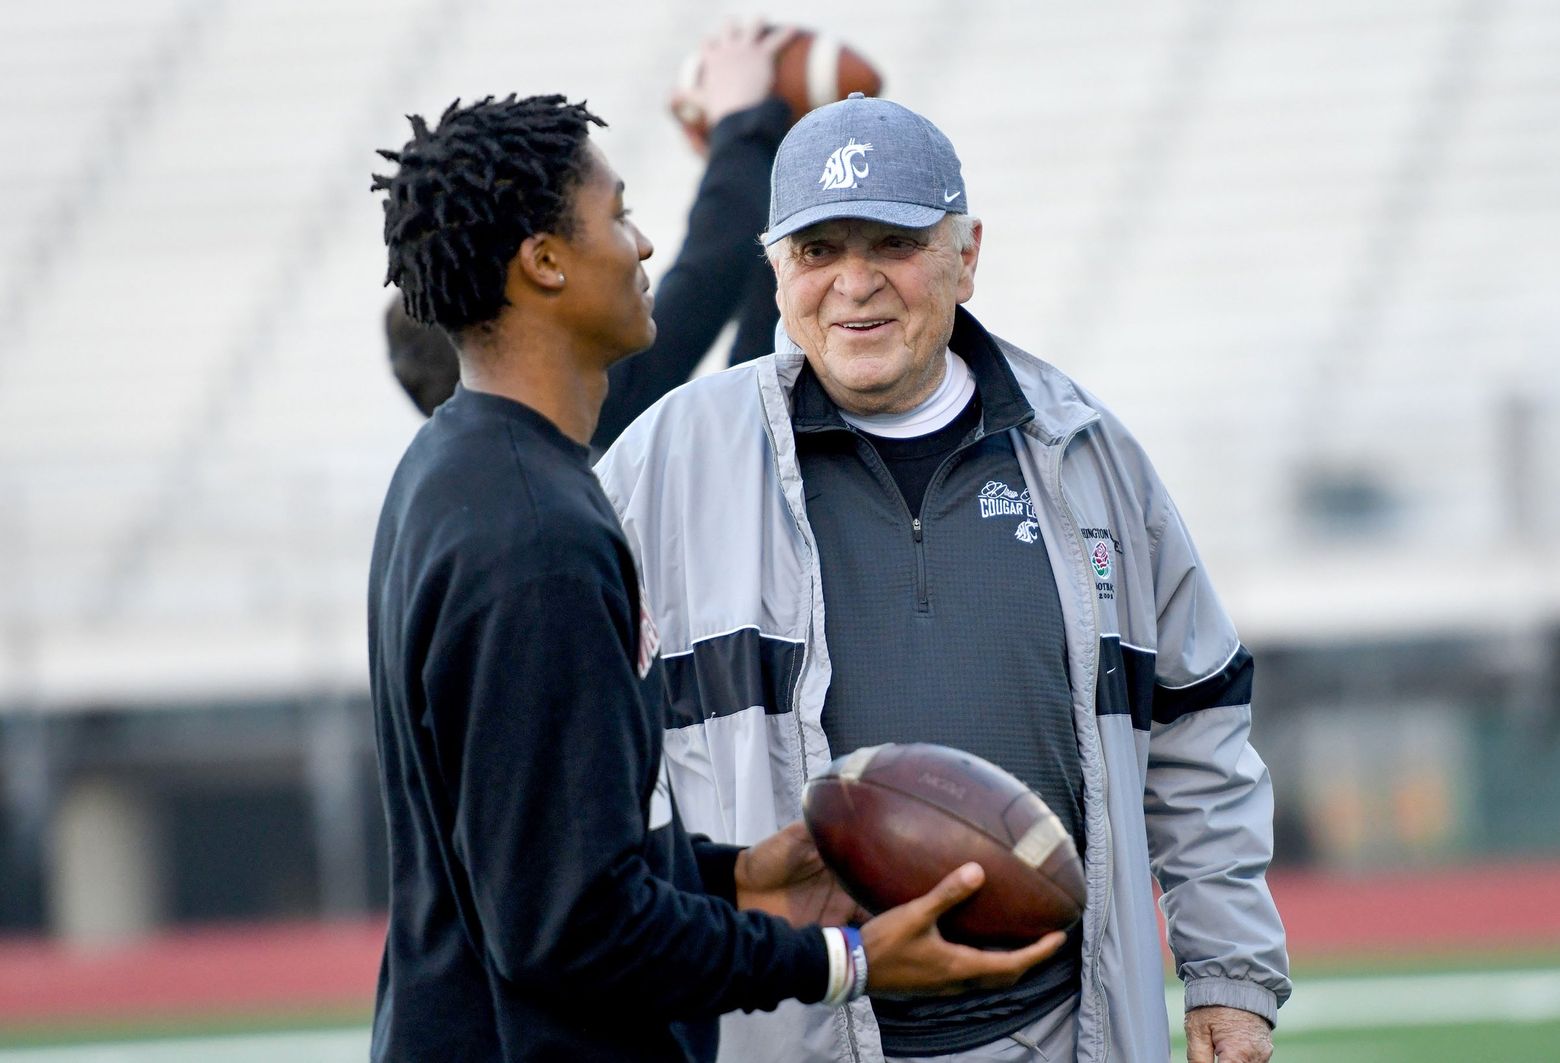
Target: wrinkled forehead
837 230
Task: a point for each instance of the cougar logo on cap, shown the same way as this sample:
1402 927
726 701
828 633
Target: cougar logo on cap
846 166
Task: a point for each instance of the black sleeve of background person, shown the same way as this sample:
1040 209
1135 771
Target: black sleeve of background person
756 327
551 765
701 290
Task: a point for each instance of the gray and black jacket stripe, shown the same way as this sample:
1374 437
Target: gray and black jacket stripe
708 488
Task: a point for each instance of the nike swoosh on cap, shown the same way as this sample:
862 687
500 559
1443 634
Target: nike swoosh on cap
949 197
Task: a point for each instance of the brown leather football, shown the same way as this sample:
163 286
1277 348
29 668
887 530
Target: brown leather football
891 821
811 70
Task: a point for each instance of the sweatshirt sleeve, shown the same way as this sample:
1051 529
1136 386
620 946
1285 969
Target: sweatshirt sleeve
549 758
717 867
719 268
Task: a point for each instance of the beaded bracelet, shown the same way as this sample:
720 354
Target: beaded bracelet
858 961
847 965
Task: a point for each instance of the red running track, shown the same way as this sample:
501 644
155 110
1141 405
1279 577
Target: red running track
268 969
332 967
1486 907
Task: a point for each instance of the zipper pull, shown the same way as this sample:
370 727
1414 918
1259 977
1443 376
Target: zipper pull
915 528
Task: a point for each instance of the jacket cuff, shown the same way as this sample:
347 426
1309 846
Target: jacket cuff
768 121
717 868
1233 993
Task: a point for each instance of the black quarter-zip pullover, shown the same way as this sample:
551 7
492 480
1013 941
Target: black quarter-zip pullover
944 625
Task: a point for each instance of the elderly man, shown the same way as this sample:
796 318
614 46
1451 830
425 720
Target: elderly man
901 528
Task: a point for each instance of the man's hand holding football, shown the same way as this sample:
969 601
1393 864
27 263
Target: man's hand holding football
784 876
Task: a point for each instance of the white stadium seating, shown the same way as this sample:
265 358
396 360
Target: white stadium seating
1310 252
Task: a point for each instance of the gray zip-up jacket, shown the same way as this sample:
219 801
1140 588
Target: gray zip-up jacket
709 491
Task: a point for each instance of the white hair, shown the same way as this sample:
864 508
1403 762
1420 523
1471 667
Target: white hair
961 231
961 228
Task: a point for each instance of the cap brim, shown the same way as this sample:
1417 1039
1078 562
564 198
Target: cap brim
910 215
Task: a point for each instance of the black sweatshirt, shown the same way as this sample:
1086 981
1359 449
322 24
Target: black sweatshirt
720 271
545 903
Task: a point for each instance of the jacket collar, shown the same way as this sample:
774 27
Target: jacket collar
1002 402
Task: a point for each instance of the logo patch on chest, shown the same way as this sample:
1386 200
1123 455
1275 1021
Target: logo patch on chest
1103 548
1100 558
997 499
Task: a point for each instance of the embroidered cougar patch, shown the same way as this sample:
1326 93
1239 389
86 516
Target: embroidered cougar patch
997 499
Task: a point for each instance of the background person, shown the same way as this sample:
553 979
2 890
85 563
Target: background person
902 528
422 358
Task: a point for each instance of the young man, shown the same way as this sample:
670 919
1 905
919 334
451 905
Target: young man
545 901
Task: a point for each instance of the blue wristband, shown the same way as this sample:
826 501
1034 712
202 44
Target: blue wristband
858 961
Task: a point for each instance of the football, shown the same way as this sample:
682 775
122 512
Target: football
891 821
811 70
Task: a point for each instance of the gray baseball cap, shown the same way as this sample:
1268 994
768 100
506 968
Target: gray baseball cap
863 157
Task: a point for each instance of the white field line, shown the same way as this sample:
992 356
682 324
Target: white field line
1318 1004
1414 1000
304 1046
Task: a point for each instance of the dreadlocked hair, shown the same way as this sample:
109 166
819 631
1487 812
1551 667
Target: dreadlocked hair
466 194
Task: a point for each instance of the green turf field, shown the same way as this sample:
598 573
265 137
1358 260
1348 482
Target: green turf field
1509 1042
1474 1008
